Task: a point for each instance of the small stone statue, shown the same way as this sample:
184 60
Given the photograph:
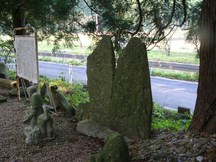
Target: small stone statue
45 123
40 123
61 101
31 90
34 110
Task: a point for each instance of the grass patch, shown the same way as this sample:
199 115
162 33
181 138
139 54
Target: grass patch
62 60
12 74
75 94
48 47
173 74
79 95
169 119
178 57
63 86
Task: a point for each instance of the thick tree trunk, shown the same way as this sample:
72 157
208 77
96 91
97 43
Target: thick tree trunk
18 19
18 16
204 118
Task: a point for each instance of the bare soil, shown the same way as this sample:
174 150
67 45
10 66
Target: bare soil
68 146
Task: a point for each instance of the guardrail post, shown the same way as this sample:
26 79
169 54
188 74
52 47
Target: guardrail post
70 74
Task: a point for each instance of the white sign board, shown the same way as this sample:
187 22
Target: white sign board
26 58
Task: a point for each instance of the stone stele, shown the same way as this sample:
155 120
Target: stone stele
132 98
100 73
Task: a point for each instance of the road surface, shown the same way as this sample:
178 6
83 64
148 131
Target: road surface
168 93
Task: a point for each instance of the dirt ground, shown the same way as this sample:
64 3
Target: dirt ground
68 146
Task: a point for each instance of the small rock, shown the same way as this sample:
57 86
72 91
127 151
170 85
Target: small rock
164 136
193 159
155 147
203 150
204 141
189 145
159 142
182 142
199 158
213 143
93 129
180 149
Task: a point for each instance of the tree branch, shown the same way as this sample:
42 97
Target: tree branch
171 17
90 7
185 12
140 18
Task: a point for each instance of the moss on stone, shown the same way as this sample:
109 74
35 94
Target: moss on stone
132 99
115 150
36 100
100 73
31 90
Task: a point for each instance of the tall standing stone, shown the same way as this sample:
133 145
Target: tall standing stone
132 98
100 73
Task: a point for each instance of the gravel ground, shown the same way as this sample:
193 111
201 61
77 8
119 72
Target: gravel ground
68 146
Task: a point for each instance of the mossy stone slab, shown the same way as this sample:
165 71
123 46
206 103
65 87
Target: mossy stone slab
100 73
132 98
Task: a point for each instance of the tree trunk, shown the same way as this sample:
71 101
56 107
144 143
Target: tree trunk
204 118
18 16
18 19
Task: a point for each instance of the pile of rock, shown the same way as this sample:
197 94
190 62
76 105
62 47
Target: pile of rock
179 146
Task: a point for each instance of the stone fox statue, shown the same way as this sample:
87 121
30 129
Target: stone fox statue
60 100
40 122
45 124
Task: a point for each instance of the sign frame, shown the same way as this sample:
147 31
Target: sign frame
20 80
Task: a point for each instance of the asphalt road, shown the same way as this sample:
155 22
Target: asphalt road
168 93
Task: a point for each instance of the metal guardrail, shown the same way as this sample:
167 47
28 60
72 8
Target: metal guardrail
153 64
